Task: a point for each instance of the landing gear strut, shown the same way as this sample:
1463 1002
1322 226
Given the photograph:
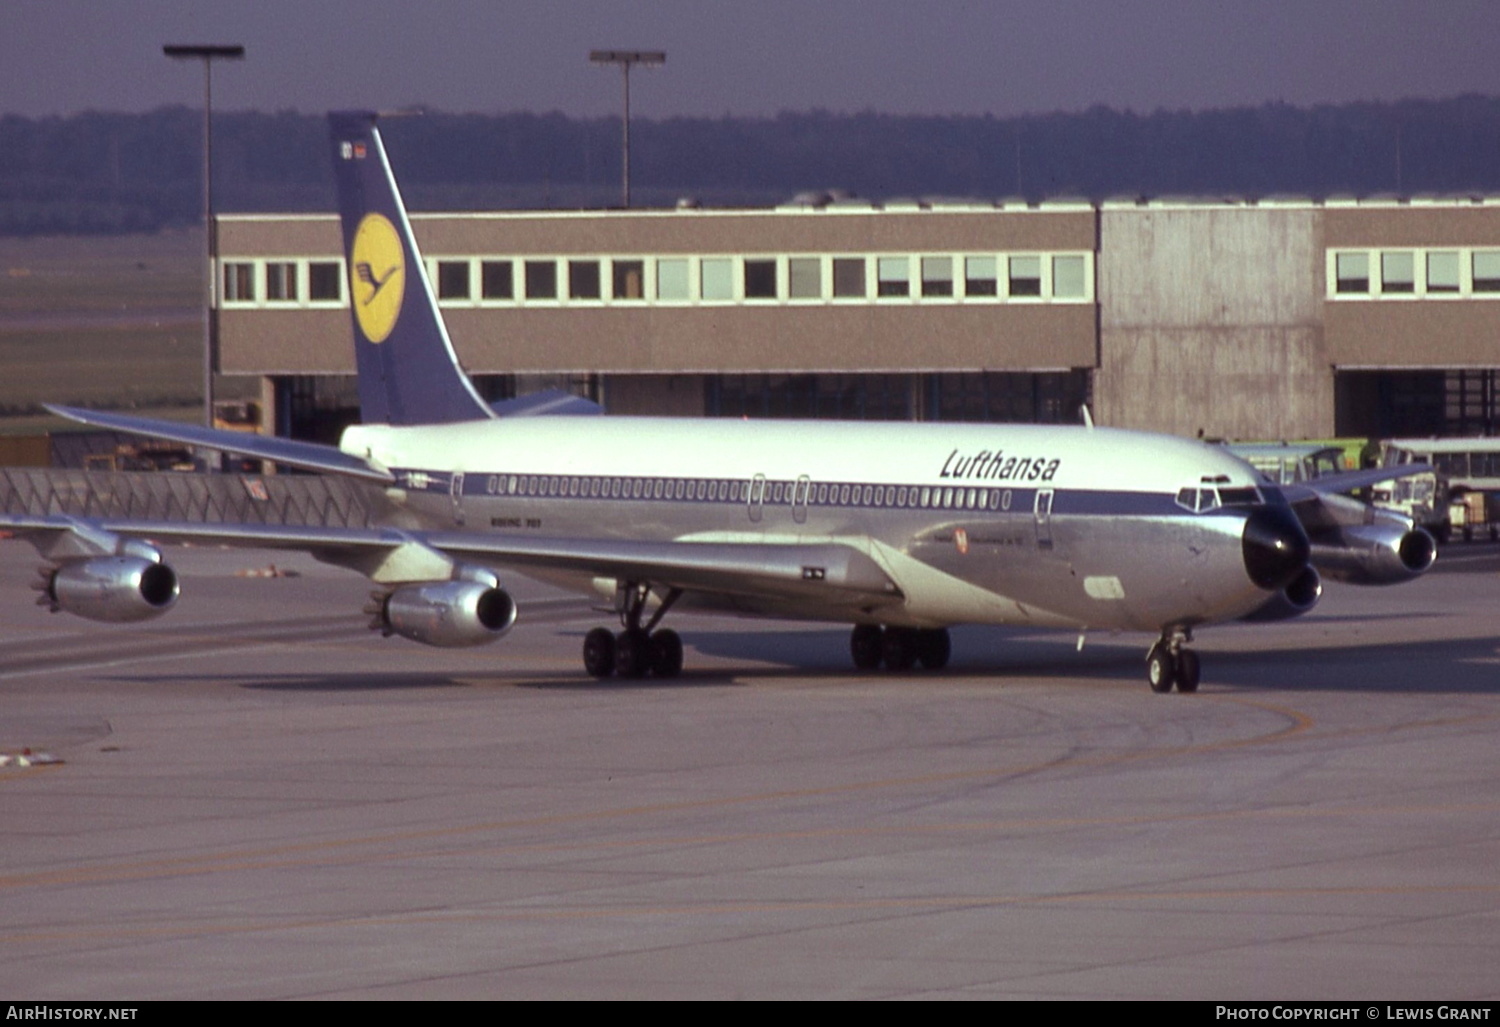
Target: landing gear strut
639 649
1170 662
899 648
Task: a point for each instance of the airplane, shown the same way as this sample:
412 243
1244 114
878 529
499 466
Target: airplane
901 530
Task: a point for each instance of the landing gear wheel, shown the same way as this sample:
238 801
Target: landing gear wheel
632 653
933 648
599 653
1160 669
666 653
899 649
1187 670
865 644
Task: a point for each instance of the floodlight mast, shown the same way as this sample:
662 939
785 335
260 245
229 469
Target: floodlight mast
626 58
207 54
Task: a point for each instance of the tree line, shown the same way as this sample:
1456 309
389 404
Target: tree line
97 173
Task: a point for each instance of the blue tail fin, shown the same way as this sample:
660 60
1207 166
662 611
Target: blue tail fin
408 372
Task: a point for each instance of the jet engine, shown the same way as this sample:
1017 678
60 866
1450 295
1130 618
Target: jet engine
1292 601
448 614
1375 554
109 588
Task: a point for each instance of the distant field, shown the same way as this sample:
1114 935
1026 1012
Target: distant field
110 321
100 273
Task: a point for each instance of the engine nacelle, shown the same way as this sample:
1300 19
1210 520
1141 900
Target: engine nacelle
1375 554
110 588
445 613
1292 601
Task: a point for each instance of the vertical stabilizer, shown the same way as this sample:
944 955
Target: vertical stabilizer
408 372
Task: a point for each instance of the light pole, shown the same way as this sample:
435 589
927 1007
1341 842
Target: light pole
207 54
625 58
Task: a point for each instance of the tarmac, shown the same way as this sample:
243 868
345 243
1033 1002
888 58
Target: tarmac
258 798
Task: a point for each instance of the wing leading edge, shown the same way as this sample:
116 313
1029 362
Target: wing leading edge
294 453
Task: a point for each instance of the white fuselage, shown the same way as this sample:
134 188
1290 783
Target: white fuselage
976 523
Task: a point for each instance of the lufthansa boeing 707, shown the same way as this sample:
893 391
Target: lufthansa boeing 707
899 530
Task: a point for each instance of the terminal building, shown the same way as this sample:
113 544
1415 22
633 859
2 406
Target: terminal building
1270 319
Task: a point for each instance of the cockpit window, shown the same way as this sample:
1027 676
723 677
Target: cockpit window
1201 500
1248 496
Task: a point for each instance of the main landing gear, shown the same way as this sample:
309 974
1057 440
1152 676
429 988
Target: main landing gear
637 650
1170 662
899 648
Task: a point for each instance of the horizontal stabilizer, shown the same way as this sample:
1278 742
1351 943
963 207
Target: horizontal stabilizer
307 455
548 403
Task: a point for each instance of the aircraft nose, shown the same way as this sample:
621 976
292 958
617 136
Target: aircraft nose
1275 547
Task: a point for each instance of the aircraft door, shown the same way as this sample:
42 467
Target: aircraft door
799 499
456 494
757 496
1043 510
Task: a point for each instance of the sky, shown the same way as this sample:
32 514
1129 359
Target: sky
747 58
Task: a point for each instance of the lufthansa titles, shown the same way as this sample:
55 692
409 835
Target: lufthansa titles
998 466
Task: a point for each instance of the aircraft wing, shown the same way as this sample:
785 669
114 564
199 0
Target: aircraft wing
1322 503
1333 484
835 573
1356 541
307 455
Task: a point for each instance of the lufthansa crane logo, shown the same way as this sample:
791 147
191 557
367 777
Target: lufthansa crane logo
377 276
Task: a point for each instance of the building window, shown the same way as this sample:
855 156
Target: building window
893 276
717 275
497 280
281 281
1397 273
323 278
1069 281
1352 273
760 279
979 277
672 278
1442 271
541 279
1026 276
805 278
1487 270
849 277
937 276
239 283
628 278
453 280
583 279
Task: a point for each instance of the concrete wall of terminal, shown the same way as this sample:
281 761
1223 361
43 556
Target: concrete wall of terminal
1211 322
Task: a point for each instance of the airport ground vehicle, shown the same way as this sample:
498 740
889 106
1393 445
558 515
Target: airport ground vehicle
1287 463
1464 484
1420 495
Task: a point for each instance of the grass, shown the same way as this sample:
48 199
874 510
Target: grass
111 322
113 273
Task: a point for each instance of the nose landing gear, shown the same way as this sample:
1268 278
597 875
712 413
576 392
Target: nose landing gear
1170 662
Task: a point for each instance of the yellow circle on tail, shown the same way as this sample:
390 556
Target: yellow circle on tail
377 276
